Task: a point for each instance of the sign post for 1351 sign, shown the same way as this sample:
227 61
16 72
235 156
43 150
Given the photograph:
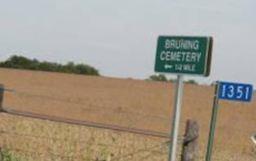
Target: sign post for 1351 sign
182 55
226 91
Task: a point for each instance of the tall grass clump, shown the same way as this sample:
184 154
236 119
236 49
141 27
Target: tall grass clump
6 155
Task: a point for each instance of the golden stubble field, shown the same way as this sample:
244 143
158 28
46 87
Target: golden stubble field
124 102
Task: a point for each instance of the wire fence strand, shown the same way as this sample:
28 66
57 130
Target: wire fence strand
92 108
85 123
95 108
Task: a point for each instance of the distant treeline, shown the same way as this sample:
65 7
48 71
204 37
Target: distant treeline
21 62
163 78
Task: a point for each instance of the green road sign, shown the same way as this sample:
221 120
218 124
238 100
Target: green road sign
184 55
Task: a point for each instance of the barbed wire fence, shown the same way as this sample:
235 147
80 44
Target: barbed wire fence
159 148
79 155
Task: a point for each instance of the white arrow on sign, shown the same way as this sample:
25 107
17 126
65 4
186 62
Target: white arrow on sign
166 66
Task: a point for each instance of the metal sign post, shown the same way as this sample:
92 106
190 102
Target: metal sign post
182 55
213 123
176 118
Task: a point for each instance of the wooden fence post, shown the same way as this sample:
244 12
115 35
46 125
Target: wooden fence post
190 142
1 97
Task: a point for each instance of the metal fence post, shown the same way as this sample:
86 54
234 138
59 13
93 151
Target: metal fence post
1 97
213 123
1 109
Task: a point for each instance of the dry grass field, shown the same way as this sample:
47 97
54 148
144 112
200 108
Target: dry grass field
124 102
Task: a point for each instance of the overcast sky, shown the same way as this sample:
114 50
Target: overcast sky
119 37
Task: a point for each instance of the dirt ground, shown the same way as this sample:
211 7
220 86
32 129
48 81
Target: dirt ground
128 103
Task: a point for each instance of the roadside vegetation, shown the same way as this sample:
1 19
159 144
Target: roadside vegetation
158 77
6 155
163 78
21 62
